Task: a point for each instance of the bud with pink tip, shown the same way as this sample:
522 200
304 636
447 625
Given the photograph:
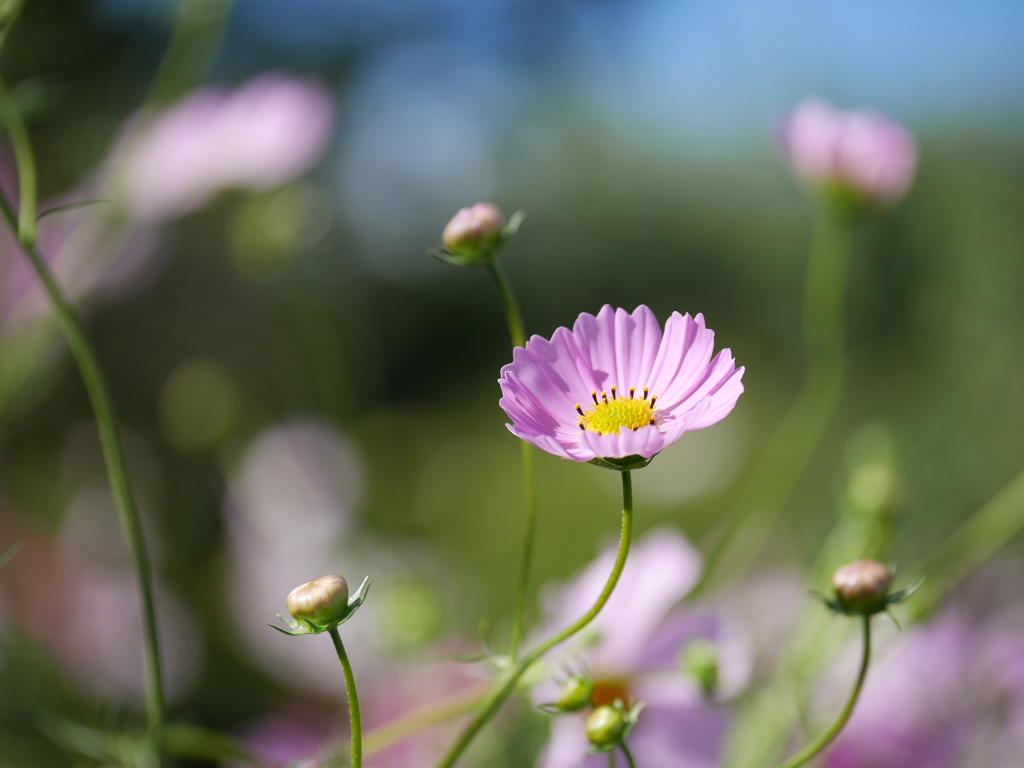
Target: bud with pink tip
857 156
320 600
474 235
321 604
862 586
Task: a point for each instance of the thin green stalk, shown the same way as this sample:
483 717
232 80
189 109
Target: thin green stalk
515 329
106 423
506 685
628 754
355 720
508 300
611 759
791 448
26 164
826 738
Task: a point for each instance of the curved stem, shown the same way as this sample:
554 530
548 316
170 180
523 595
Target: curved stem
826 738
628 754
500 693
106 426
515 329
355 719
794 443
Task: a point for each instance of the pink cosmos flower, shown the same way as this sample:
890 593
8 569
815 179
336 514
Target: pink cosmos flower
859 151
614 387
258 136
631 651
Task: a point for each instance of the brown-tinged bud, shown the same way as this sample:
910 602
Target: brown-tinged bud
575 694
320 602
606 726
862 586
473 232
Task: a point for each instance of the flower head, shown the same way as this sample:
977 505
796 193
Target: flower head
853 154
615 388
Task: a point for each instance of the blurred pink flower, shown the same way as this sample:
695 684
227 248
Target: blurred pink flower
631 651
260 135
858 151
614 387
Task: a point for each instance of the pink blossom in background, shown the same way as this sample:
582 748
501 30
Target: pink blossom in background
614 386
258 136
863 152
632 650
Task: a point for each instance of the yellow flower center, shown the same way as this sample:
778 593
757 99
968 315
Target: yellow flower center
608 415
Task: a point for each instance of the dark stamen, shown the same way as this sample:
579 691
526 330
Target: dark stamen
654 400
614 396
579 410
594 395
605 396
645 393
632 391
582 428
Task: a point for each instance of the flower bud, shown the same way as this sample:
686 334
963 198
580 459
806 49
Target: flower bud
853 157
606 726
575 694
862 586
700 661
321 602
473 232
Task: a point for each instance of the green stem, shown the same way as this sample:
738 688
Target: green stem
508 300
826 738
794 443
106 424
26 164
515 329
500 693
196 37
355 720
628 754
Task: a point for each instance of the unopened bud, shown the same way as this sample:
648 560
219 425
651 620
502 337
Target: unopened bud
700 661
862 586
320 602
473 232
606 726
575 694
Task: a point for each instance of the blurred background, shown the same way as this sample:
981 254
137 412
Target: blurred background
303 390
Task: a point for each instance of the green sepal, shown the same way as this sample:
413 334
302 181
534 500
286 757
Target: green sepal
883 606
305 627
624 464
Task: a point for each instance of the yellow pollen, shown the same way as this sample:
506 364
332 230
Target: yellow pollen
608 416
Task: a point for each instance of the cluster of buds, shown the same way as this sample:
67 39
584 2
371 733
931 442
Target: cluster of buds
321 605
475 235
607 725
861 588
